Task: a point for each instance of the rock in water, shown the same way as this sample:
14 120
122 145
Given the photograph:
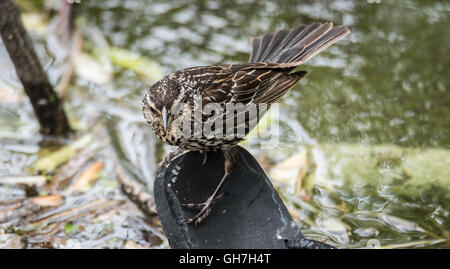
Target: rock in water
249 215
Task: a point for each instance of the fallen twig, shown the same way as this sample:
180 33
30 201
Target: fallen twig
414 244
136 192
75 212
22 208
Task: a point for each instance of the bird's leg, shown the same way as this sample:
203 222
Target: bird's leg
168 159
229 165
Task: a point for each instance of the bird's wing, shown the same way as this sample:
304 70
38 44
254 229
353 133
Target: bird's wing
228 93
243 86
263 83
245 83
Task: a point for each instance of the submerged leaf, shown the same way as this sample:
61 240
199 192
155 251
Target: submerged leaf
87 177
54 159
291 169
407 171
27 180
91 69
70 228
136 62
9 95
35 22
50 200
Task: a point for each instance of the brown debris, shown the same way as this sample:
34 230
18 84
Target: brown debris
88 177
49 200
68 170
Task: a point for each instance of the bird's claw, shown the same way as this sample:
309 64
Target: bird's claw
205 209
197 219
202 205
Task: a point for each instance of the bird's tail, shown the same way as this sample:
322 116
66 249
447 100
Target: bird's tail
292 47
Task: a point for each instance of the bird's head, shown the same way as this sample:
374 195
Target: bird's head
157 104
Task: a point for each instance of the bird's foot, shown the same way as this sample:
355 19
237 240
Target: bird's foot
205 209
201 205
229 165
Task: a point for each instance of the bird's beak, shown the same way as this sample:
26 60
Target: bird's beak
164 117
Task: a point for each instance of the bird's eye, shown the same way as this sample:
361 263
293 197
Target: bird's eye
152 110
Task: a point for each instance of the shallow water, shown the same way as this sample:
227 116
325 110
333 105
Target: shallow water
387 83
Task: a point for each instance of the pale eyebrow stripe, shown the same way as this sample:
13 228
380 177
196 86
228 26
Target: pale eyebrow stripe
148 99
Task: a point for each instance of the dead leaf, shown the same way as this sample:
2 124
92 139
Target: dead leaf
88 177
49 200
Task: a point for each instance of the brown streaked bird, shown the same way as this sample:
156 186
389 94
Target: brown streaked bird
268 76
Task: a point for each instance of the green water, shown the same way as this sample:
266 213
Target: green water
387 83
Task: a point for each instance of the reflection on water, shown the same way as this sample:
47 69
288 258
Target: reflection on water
386 83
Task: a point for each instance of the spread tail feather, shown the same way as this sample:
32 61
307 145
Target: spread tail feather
291 48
